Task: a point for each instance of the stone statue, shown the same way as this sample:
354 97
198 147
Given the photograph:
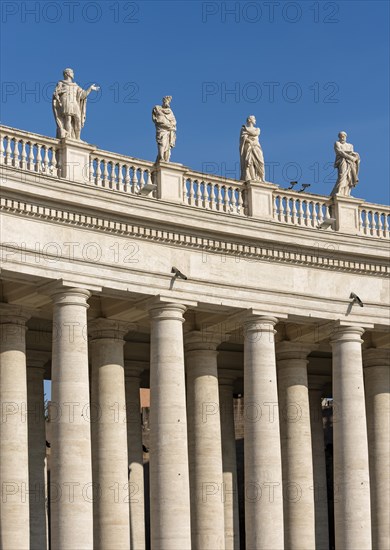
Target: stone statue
251 153
347 163
165 122
69 106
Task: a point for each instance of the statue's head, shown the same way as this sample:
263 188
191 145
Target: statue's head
166 100
343 136
68 72
251 119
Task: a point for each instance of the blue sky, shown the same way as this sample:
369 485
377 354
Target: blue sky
305 69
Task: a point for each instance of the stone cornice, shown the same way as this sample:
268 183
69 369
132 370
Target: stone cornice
265 251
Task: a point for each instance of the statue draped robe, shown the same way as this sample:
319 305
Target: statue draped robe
347 163
165 122
251 154
69 100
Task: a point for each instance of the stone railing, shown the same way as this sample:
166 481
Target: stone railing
30 152
80 162
214 193
301 209
111 171
374 220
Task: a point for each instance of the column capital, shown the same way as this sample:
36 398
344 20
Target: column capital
347 334
66 295
12 314
199 340
163 311
111 329
259 323
63 286
227 377
376 357
36 359
287 350
134 369
317 382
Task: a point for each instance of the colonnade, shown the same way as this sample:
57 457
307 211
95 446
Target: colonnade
96 446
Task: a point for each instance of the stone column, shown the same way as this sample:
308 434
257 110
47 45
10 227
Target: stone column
350 451
377 387
204 443
133 371
107 362
169 477
263 463
14 484
71 471
319 466
297 464
37 449
229 463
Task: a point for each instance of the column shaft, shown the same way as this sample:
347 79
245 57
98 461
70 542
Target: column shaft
204 445
377 386
229 463
297 464
263 468
135 457
169 477
71 471
113 525
37 454
319 470
350 449
14 484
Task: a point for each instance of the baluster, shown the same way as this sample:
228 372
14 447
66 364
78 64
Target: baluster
23 161
127 178
105 173
141 178
8 150
115 175
98 172
240 201
224 198
121 179
134 180
54 162
320 213
46 159
38 164
300 212
191 192
91 169
211 198
111 174
386 225
15 160
311 210
294 214
380 224
217 199
1 149
30 165
279 208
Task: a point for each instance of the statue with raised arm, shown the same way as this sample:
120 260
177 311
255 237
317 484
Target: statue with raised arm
347 163
69 106
165 122
251 153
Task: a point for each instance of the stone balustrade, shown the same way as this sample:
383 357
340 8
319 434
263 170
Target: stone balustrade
214 193
28 151
111 171
81 162
375 220
302 209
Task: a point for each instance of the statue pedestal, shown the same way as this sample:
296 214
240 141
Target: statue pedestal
346 212
260 201
75 159
169 179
